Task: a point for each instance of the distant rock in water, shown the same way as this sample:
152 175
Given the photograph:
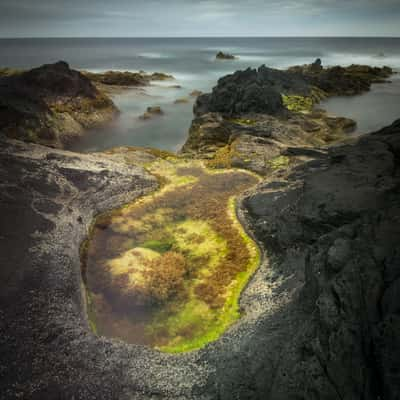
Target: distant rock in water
181 100
195 93
126 78
225 56
51 105
151 112
160 76
341 81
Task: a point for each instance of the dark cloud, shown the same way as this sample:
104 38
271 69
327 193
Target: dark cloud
198 17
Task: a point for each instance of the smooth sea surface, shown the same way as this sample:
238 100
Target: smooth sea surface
193 64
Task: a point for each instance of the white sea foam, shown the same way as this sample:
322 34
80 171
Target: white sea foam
154 55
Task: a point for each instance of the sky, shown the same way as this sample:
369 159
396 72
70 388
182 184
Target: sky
171 18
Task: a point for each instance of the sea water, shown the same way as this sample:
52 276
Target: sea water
193 64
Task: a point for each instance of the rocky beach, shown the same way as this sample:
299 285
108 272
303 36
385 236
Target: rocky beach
317 319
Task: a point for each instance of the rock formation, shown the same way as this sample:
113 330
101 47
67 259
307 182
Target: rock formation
126 78
51 105
224 56
249 109
152 112
260 90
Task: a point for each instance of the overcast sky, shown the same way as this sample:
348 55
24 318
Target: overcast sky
106 18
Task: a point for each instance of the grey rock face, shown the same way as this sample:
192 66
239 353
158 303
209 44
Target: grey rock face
340 219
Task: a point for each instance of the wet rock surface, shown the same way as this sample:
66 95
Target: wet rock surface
51 105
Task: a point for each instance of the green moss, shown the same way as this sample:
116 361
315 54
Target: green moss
192 216
91 313
158 245
195 315
278 162
197 239
167 171
221 159
298 103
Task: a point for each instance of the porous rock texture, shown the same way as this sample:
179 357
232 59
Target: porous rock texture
321 315
51 105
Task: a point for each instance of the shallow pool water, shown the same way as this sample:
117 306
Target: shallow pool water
373 110
167 270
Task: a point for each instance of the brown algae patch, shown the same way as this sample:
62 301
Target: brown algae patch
167 270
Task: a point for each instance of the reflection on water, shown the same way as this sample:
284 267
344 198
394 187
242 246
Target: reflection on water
167 271
167 131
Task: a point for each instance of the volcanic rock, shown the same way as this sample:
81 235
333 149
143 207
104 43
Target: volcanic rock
51 105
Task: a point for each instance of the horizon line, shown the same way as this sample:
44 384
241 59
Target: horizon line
205 37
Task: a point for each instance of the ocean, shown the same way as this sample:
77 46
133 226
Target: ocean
192 62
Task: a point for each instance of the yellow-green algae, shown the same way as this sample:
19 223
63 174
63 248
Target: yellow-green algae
167 270
298 103
278 162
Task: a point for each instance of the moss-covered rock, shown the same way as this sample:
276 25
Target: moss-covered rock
298 103
51 105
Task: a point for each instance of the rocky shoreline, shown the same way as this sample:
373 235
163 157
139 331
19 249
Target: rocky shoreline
54 104
320 314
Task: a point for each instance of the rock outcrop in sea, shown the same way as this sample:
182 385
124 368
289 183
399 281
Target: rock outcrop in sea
126 78
51 105
251 117
225 56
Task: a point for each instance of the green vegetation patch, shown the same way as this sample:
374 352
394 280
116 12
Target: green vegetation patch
298 103
5 72
167 270
158 245
278 162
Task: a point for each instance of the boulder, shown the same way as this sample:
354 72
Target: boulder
151 112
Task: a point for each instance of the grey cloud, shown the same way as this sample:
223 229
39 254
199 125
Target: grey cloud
196 17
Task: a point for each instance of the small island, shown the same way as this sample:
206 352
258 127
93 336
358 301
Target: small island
225 56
